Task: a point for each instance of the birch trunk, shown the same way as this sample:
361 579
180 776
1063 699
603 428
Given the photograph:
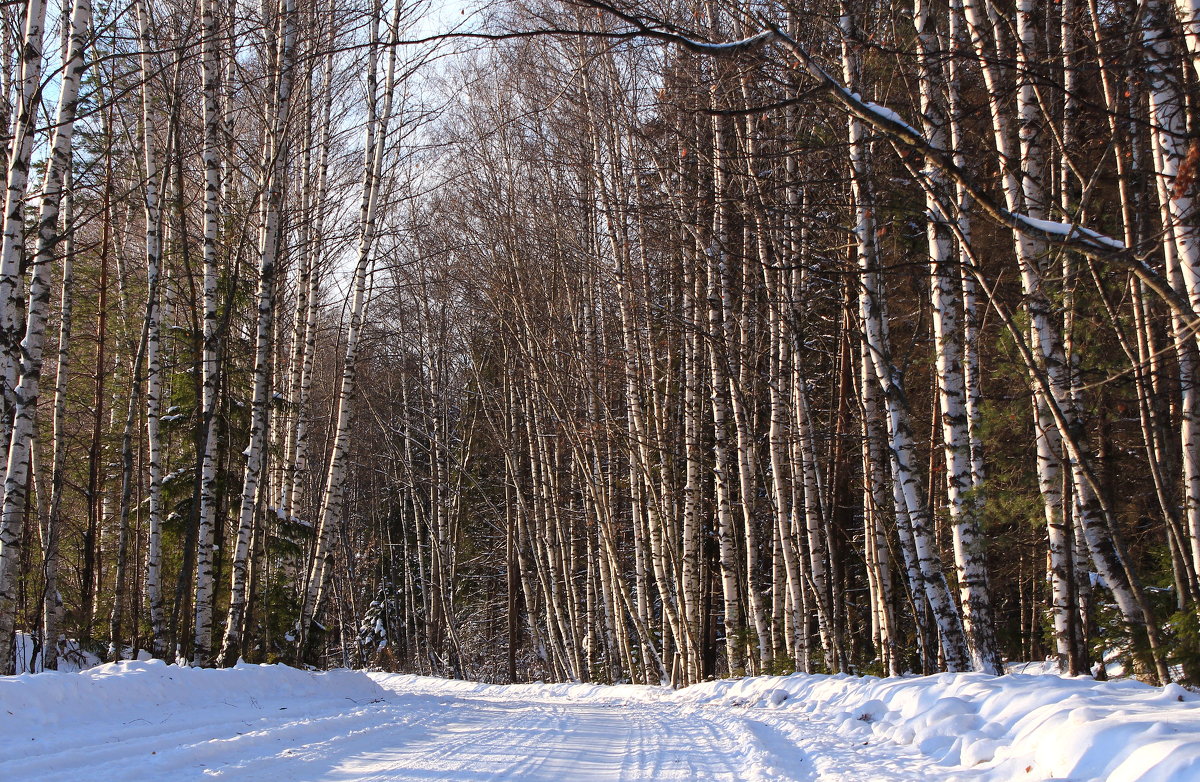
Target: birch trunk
782 477
210 370
1180 218
12 246
153 360
809 490
691 565
720 328
275 158
945 294
1189 20
27 392
297 464
52 604
871 311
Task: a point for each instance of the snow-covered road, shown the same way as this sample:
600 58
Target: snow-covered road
407 728
149 721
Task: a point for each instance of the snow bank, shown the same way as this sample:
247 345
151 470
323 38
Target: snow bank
604 693
951 726
1023 726
997 728
30 704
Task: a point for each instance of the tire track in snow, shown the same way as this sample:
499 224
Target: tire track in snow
418 732
548 740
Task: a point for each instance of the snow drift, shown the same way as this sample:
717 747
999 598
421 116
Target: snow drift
35 705
998 728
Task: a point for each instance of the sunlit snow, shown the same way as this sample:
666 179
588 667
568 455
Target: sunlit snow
150 721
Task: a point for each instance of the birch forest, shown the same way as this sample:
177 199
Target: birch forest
602 340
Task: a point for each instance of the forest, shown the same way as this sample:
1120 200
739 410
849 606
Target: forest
602 340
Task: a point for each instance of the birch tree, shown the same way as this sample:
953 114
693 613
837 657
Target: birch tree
27 391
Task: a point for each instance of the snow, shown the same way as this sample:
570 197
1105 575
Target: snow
1070 229
729 47
887 114
1001 728
29 657
151 721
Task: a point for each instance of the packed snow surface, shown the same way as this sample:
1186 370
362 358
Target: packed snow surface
151 721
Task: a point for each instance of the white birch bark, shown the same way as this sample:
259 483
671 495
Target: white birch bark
1189 19
153 339
871 311
275 157
52 604
720 327
12 245
878 467
297 463
27 391
1069 642
641 459
1048 439
876 500
781 474
691 566
610 150
1179 215
740 385
972 378
946 302
213 180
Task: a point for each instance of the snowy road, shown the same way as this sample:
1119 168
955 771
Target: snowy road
420 729
150 722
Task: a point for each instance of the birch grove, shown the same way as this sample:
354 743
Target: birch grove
602 341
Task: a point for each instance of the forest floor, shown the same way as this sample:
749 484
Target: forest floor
150 721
